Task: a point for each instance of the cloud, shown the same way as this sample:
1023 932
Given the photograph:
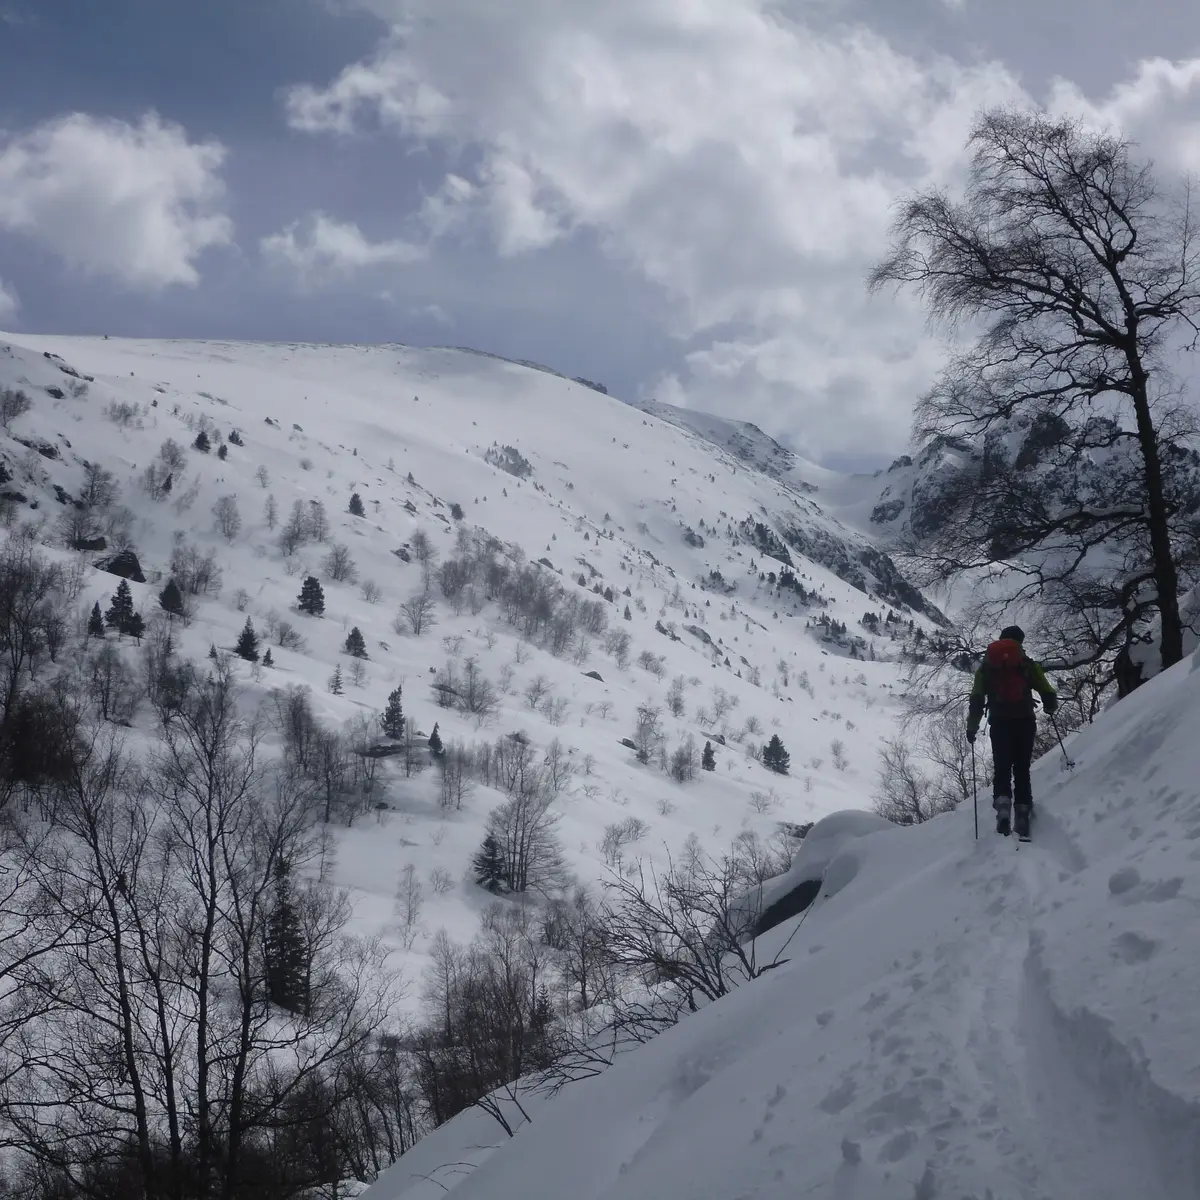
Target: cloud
1159 105
138 202
741 157
432 312
8 302
322 246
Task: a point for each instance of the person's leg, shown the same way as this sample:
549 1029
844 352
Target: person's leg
1023 736
1002 769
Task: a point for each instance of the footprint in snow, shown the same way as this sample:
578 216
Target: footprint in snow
1133 948
839 1097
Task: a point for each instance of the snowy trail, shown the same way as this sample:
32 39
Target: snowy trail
1056 1105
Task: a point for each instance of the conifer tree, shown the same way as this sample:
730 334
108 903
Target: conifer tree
335 680
171 599
435 742
120 611
490 869
247 643
135 626
95 626
267 660
775 757
202 443
355 645
284 948
708 760
222 451
212 652
356 506
312 597
392 720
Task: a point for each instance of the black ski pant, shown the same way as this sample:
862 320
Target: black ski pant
1012 754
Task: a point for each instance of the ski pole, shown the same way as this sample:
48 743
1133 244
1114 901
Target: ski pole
975 791
1066 756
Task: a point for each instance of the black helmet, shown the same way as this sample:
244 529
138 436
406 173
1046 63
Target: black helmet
1013 632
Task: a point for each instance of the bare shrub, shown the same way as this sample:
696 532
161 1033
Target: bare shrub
228 518
837 748
685 761
536 690
13 404
654 663
905 793
417 614
619 835
339 566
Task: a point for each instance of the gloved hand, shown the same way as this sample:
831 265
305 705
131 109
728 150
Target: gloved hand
971 735
1050 705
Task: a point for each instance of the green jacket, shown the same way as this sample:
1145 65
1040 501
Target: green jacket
1037 682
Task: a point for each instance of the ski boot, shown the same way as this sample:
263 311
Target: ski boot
1001 805
1022 813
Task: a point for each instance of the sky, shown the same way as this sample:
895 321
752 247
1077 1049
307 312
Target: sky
677 198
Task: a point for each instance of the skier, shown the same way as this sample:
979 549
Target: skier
1005 683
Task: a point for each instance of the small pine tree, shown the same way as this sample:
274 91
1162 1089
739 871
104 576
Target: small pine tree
222 452
392 720
171 599
491 871
135 626
775 757
120 611
708 760
355 645
284 948
267 660
202 443
335 680
312 597
435 742
456 511
356 506
212 652
628 614
247 643
235 438
95 626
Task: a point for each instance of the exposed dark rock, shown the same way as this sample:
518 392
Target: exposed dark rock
593 675
887 510
126 565
56 392
789 905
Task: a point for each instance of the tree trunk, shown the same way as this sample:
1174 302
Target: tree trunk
1166 575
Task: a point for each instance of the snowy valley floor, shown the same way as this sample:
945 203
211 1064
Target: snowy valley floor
957 1020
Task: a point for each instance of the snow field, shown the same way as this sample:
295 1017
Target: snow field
598 464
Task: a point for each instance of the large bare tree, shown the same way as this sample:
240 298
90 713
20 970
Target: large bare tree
1080 274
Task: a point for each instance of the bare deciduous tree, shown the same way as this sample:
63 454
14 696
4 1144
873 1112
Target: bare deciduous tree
339 566
1086 276
417 614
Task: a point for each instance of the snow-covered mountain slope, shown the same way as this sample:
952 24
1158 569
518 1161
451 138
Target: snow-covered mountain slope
662 520
956 1018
